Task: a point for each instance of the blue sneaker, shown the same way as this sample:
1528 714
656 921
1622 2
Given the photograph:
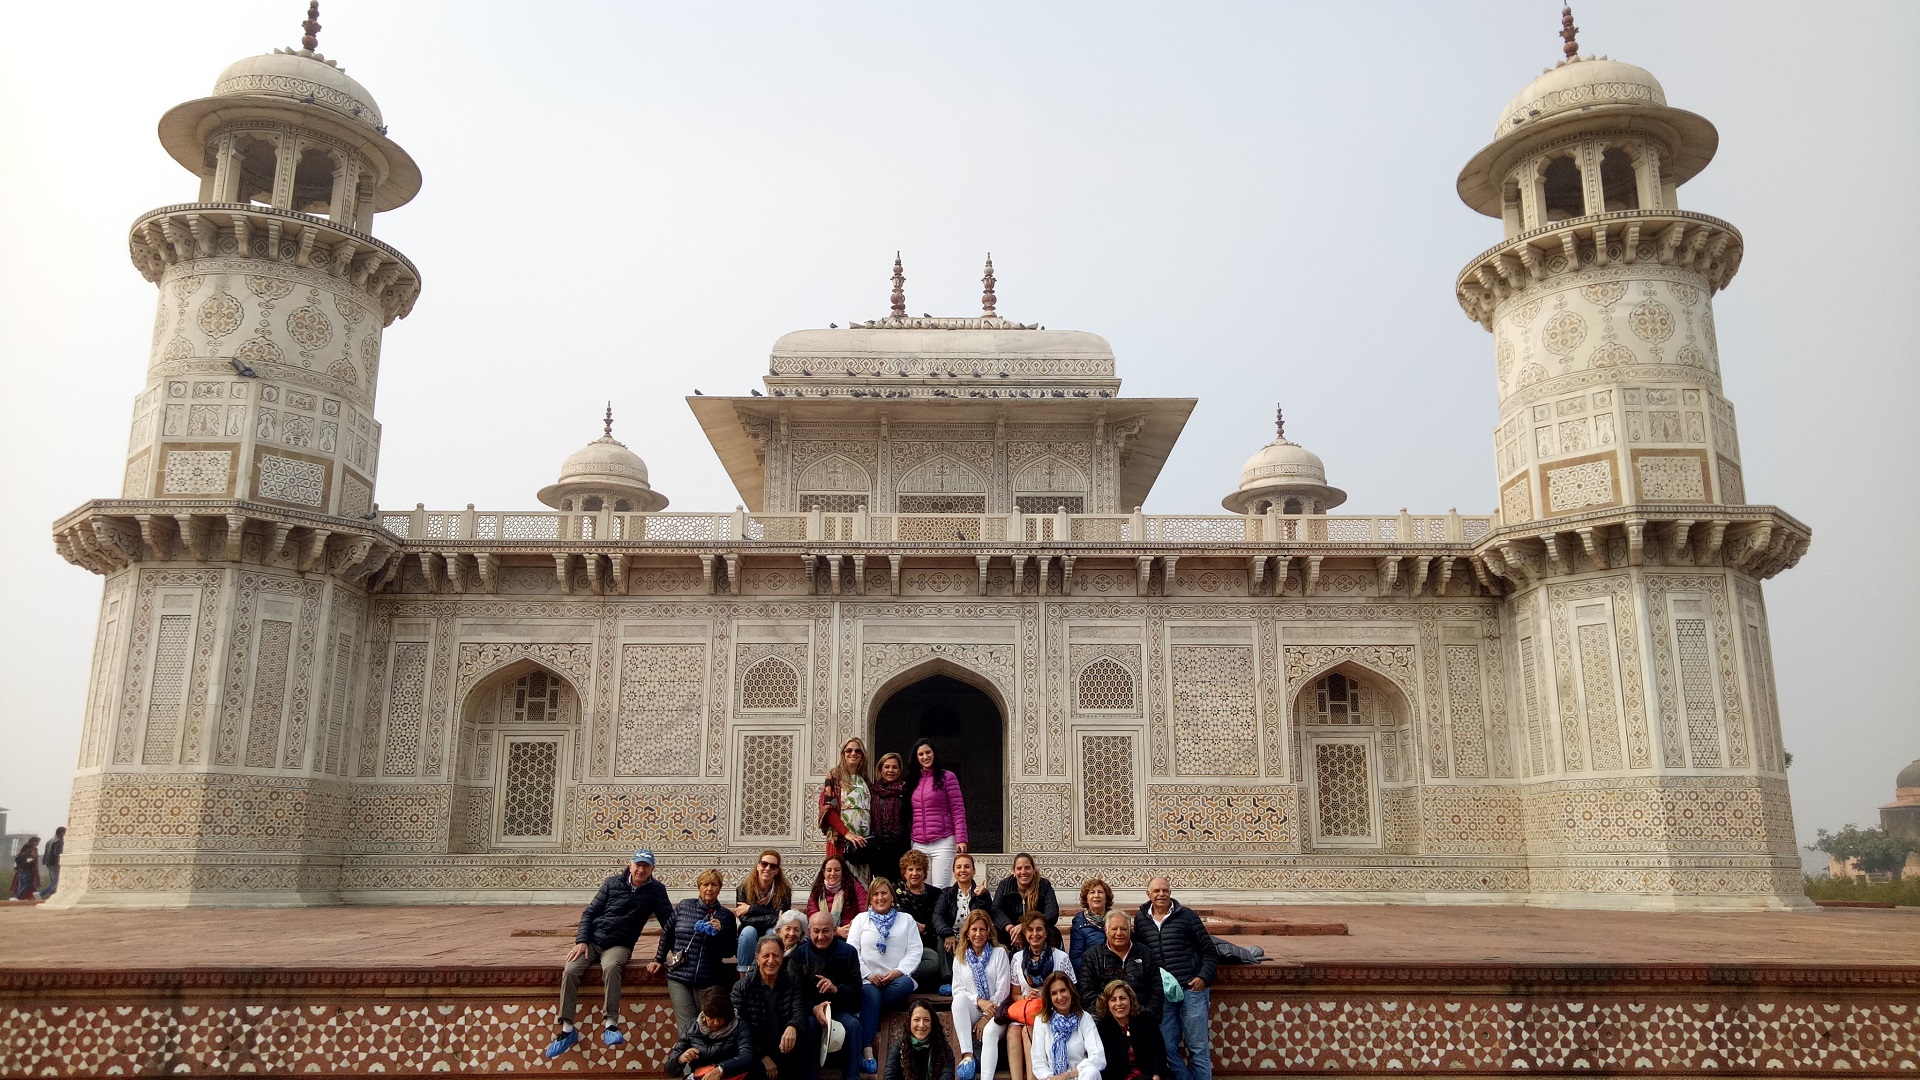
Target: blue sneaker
563 1043
947 988
966 1068
869 1066
612 1037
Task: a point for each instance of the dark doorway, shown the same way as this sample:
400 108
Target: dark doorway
965 728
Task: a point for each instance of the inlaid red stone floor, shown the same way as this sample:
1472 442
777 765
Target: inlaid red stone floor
484 936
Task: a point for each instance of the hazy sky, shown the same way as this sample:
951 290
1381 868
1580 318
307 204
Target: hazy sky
1253 202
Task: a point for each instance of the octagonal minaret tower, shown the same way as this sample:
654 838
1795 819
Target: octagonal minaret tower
1630 562
219 736
273 292
1600 297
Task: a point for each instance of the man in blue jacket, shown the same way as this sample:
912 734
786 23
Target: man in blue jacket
1180 943
609 927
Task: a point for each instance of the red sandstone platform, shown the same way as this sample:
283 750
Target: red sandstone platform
1412 990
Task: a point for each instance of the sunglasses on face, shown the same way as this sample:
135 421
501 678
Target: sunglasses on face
854 750
769 866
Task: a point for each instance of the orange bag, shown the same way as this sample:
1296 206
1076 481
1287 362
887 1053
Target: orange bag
1024 1010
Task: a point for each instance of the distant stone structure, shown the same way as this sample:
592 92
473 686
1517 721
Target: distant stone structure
298 698
1901 817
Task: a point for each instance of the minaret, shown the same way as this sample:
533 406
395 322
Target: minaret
1631 564
219 732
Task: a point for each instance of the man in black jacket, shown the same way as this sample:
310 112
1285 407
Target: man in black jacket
609 927
1121 959
770 1003
1180 943
829 973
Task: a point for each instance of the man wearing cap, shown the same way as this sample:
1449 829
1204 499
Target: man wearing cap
609 927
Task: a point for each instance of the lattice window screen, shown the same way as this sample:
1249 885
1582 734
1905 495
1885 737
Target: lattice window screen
538 698
266 713
1340 700
1106 684
1107 786
330 751
943 504
1343 793
168 688
766 784
1696 691
1049 504
770 684
532 779
834 502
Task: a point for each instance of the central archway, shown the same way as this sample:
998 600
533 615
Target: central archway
967 731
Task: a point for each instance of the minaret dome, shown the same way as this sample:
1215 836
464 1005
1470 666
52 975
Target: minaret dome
1284 477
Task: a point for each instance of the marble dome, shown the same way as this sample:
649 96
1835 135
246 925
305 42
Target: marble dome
1583 83
1284 460
604 467
299 76
1909 777
1282 470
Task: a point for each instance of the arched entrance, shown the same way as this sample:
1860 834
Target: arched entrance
969 734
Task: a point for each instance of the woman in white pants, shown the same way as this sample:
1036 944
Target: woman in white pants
1066 1041
982 979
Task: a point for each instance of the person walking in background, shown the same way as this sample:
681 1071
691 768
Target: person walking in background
837 893
918 899
957 901
698 945
1118 956
1089 926
715 1046
846 807
758 904
1130 1040
1036 961
828 971
1180 943
609 927
26 870
50 861
889 839
922 1055
983 980
1024 892
889 947
1066 1040
770 1004
939 814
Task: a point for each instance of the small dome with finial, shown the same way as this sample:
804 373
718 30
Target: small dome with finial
1283 476
603 475
301 75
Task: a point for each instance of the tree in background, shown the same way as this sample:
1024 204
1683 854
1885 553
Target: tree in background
1876 852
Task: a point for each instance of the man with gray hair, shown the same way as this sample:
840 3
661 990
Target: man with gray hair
609 928
1121 958
1180 943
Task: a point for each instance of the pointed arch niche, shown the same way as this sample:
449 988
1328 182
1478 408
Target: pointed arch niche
1354 730
1046 485
521 748
942 484
964 714
836 484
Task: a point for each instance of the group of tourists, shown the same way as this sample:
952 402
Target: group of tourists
36 873
770 986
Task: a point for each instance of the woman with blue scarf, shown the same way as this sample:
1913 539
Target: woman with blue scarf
1066 1041
888 941
982 980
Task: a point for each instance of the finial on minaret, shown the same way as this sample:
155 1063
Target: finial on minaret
986 295
606 425
311 40
1568 32
899 289
1279 423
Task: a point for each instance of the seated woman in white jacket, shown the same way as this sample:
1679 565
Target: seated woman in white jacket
1066 1041
1031 965
888 941
982 980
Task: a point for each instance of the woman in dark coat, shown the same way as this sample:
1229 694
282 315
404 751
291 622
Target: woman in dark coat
890 816
757 905
923 1054
700 938
1134 1048
1023 892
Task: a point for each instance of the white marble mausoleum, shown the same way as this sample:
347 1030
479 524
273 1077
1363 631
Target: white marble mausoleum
298 697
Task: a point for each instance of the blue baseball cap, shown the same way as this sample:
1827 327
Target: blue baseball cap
643 856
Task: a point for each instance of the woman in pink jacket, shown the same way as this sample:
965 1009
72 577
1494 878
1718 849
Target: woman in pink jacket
939 815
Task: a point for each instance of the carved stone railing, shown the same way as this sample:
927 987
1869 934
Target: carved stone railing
860 527
1706 245
173 234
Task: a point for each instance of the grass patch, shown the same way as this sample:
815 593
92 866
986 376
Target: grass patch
1905 893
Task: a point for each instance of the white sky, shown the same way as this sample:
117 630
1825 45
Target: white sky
1253 202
